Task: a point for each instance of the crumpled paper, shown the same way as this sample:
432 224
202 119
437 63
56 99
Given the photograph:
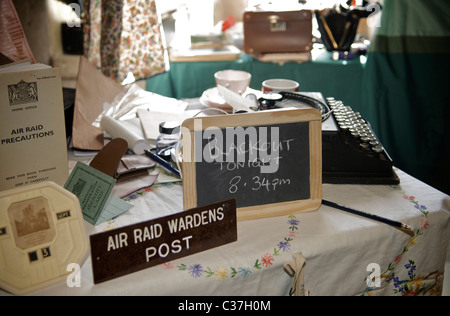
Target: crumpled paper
126 104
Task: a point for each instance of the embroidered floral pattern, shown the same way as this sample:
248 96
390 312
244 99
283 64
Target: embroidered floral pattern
137 194
414 284
265 261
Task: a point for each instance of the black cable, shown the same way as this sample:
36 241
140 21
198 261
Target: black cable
323 108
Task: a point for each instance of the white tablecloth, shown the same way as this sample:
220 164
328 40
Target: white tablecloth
338 248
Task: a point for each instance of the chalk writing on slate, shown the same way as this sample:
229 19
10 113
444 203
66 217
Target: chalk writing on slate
226 177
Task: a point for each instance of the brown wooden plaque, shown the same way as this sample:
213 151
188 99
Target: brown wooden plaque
133 248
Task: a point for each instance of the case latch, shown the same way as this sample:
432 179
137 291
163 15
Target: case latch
276 25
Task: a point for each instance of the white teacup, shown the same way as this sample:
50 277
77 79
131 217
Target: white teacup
235 80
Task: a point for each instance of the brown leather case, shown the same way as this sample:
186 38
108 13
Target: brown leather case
277 31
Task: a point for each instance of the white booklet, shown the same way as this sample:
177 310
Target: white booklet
33 145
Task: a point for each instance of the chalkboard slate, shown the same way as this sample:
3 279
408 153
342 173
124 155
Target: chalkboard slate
269 161
247 184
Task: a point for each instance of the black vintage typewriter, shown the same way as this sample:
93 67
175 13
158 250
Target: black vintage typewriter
351 152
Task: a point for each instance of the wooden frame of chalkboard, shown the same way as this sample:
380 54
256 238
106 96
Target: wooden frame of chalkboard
270 161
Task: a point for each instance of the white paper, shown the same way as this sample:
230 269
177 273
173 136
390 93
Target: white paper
126 105
238 102
124 130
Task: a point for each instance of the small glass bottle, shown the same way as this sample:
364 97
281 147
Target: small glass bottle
169 136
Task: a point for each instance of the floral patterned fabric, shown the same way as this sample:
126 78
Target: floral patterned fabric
124 36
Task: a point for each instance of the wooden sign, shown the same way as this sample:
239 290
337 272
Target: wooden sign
271 162
133 248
